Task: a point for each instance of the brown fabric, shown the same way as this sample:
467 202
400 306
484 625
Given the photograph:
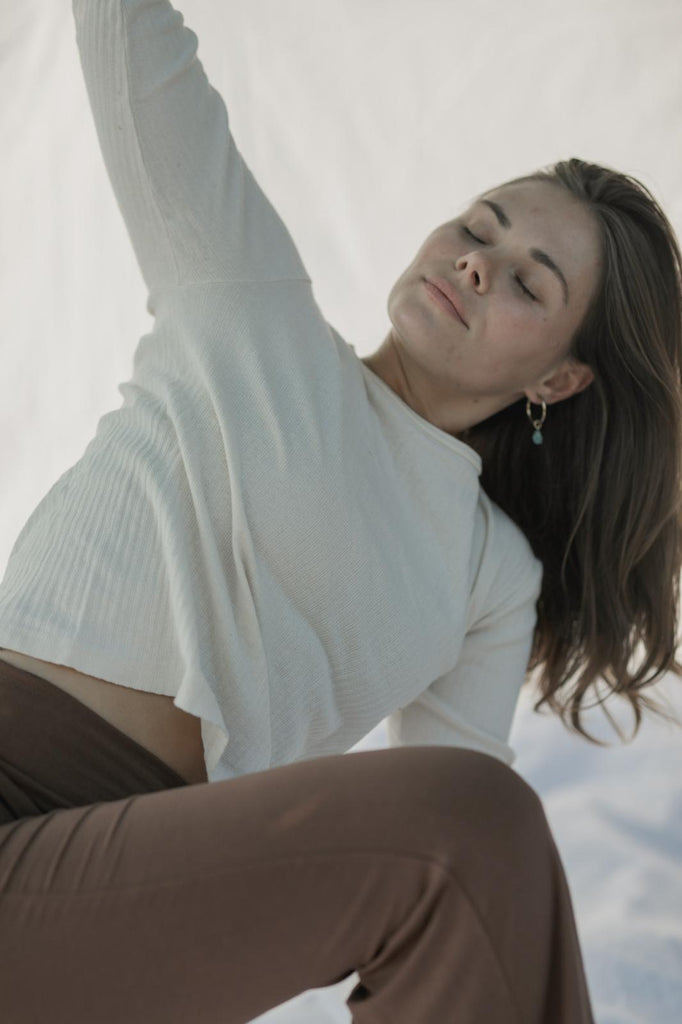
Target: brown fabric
56 752
129 897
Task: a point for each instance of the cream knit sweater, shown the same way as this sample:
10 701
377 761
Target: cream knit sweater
263 529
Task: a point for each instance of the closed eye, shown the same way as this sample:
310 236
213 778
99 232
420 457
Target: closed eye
516 276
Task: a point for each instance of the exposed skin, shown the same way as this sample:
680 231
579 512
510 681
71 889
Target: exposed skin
454 376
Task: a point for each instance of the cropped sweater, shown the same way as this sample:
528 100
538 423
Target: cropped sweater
263 530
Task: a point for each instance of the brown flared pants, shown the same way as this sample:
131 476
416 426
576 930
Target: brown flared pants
130 897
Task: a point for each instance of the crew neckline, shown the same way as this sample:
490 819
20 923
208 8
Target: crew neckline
454 443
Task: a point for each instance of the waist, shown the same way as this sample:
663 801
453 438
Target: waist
150 719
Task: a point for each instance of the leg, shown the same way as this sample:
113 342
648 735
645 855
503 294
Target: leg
429 870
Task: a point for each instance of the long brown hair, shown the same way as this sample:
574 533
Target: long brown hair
600 499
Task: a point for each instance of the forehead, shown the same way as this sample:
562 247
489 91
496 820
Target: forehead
541 206
549 217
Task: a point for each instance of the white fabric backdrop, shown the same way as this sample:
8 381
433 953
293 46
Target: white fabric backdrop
368 123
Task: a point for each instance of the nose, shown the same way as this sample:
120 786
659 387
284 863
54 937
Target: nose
472 268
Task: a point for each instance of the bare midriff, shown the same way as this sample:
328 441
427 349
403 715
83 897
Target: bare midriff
151 719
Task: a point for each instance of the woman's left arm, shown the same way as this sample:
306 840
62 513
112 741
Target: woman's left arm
473 704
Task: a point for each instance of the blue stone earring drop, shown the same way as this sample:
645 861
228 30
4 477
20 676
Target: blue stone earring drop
537 435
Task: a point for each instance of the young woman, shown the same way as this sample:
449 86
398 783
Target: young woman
272 545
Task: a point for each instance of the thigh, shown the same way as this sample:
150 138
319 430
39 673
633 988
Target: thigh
216 901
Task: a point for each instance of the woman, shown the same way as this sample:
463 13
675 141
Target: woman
273 545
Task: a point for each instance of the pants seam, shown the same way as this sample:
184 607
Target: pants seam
334 854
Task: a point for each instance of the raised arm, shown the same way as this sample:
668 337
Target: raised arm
190 203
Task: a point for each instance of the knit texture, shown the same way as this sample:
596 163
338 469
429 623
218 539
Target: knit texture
263 530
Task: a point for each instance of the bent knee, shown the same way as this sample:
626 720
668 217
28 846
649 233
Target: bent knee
473 769
493 776
451 792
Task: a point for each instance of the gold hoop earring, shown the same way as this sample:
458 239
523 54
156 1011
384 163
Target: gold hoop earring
537 435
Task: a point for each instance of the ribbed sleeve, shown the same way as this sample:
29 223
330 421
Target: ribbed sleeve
179 179
474 703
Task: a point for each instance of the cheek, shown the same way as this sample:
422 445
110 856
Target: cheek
529 327
507 327
514 344
437 249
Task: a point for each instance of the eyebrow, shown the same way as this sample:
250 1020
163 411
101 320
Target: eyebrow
537 254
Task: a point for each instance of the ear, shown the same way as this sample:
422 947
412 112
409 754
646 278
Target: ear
571 378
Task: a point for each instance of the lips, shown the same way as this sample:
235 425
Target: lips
450 293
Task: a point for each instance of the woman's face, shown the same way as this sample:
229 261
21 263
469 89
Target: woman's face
520 314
